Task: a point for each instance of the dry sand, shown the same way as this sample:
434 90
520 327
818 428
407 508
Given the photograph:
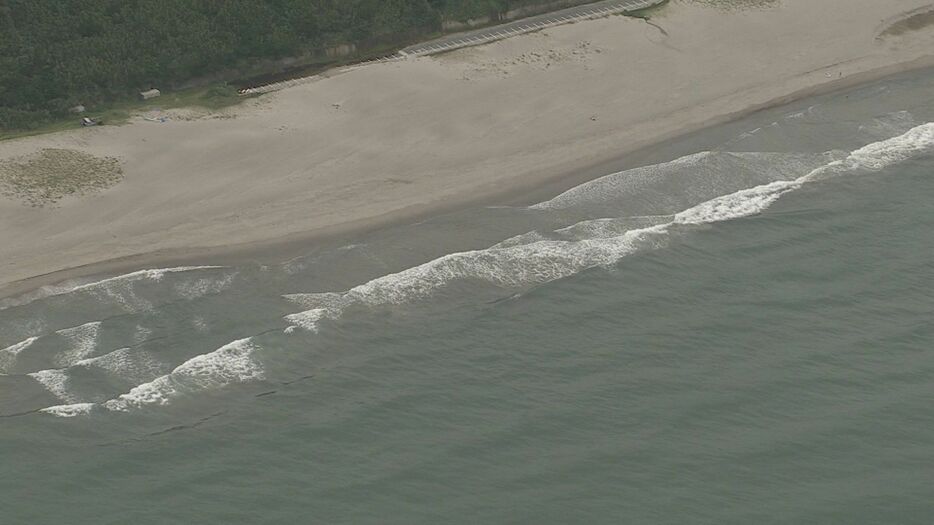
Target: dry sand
396 141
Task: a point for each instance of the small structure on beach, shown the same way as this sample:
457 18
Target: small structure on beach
152 93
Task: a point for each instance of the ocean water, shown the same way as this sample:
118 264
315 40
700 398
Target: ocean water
735 327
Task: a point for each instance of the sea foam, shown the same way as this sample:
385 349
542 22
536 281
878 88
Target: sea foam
8 355
232 363
669 187
72 410
309 319
117 289
536 258
879 155
56 381
82 341
127 363
156 274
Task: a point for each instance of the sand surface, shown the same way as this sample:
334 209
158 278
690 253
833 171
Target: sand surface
401 140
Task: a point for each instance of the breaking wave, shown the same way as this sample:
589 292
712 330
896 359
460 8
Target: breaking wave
232 363
118 289
8 355
82 341
57 383
529 259
126 363
536 258
72 410
670 187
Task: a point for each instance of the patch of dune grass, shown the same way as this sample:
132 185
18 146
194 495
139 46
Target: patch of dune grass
49 175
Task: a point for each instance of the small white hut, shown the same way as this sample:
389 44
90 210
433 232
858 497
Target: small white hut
152 93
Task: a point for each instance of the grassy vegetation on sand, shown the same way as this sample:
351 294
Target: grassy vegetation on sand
49 175
119 112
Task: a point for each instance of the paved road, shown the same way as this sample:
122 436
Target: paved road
489 34
525 25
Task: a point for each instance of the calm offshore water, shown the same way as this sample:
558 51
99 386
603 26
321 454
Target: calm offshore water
738 332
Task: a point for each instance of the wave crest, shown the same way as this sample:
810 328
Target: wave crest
232 363
72 410
8 355
535 258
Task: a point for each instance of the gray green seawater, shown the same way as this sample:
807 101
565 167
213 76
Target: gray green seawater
736 328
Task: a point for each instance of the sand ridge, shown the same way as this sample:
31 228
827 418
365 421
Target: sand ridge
400 140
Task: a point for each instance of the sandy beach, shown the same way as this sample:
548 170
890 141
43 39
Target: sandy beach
393 142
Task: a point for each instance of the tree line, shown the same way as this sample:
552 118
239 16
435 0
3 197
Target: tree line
56 54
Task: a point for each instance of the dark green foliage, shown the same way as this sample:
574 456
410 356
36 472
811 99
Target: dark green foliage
55 54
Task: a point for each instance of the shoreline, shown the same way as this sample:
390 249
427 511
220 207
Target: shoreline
529 186
290 246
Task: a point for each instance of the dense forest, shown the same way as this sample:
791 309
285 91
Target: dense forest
55 54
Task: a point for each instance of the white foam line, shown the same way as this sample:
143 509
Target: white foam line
232 363
309 320
19 347
152 274
72 410
8 355
544 260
